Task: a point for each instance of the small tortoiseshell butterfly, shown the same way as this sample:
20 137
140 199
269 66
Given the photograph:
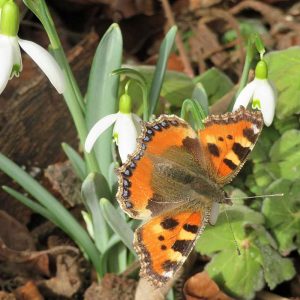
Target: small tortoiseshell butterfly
174 180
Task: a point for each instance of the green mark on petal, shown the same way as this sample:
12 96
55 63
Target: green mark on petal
256 104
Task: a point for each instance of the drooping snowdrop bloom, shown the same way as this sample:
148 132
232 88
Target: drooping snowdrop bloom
10 54
261 92
126 129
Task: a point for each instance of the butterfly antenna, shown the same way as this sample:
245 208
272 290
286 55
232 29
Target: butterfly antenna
260 196
234 239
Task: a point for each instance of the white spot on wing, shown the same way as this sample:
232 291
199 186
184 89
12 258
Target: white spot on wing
168 274
255 128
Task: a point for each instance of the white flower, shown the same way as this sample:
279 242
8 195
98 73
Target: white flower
126 130
11 61
261 92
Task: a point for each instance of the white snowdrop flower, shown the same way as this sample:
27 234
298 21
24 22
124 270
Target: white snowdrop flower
10 54
260 92
126 129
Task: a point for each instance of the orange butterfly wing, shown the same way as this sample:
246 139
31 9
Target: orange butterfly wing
227 141
143 189
164 243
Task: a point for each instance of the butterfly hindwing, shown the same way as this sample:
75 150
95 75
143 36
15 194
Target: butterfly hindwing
227 141
155 177
164 243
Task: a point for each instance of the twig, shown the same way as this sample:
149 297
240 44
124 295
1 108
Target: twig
131 268
178 40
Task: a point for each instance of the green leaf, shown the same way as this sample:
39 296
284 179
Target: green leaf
94 188
199 95
278 272
282 214
216 84
288 144
284 71
247 277
285 156
175 88
102 93
76 161
117 223
161 66
114 239
241 276
37 208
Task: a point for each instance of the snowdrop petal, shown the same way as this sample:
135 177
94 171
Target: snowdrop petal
127 135
267 97
6 61
46 62
17 59
245 95
98 129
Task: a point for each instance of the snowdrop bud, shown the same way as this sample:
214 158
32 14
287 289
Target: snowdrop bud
261 70
10 19
2 2
125 104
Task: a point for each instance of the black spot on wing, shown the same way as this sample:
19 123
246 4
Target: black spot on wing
240 151
229 136
169 223
213 149
249 135
161 238
181 246
230 164
190 228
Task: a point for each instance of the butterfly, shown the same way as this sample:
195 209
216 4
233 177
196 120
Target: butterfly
174 182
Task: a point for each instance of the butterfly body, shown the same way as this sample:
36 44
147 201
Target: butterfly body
174 181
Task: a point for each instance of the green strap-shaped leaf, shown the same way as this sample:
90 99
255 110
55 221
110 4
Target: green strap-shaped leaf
117 223
37 208
102 93
76 161
94 188
157 81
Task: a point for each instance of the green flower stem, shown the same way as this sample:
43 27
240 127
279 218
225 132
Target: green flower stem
193 107
72 93
246 69
51 204
139 79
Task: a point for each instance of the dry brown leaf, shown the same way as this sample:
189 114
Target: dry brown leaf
14 235
67 280
6 296
29 291
65 182
201 286
28 263
198 4
175 63
112 287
